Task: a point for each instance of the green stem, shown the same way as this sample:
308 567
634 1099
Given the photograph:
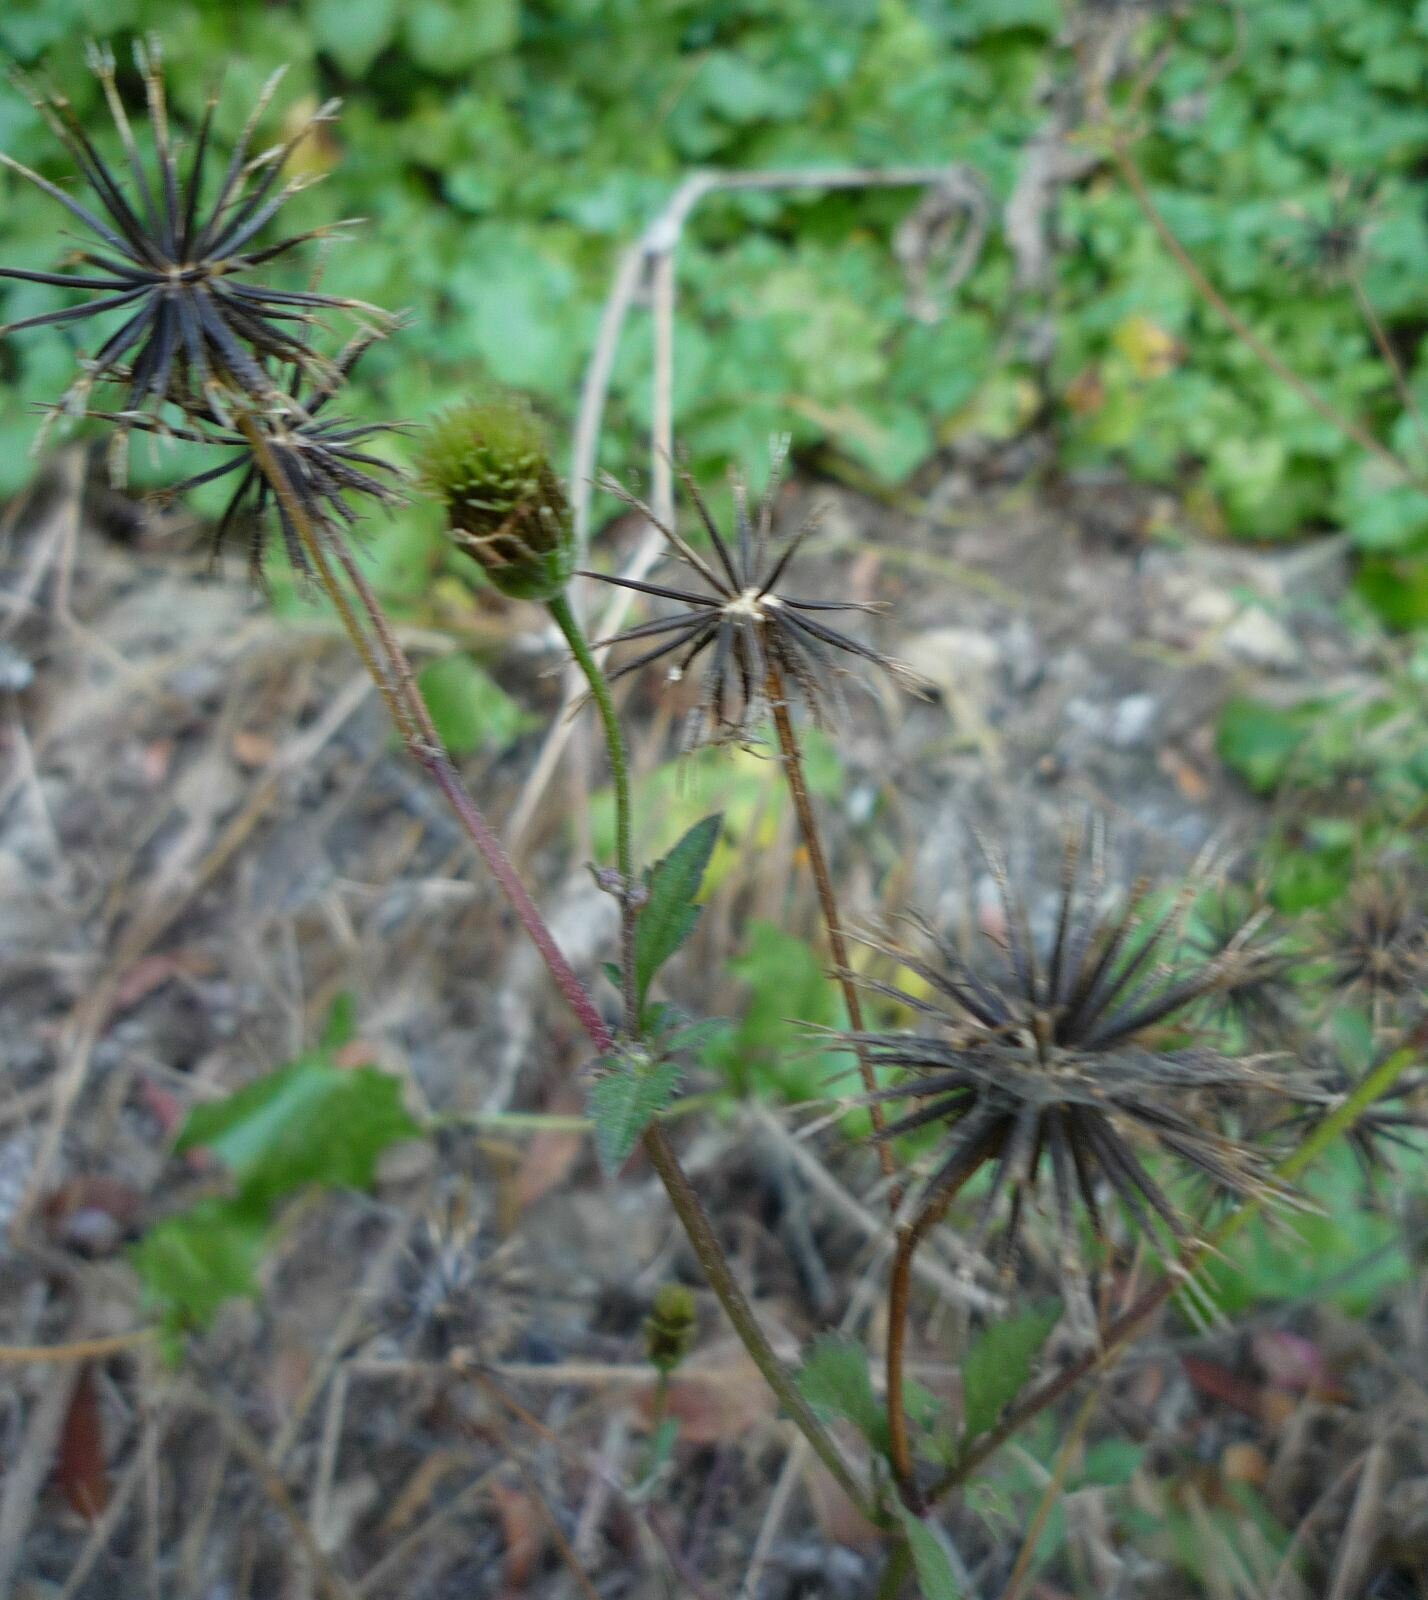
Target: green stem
687 1204
566 621
895 1571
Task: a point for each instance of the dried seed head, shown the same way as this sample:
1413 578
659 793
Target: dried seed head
487 461
1378 944
458 1290
178 255
1232 926
1069 1053
756 638
325 463
1330 238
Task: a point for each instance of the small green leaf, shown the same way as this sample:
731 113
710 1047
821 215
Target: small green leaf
470 709
834 1380
998 1365
1259 740
341 1025
658 1456
190 1264
309 1122
354 32
668 916
929 1559
622 1105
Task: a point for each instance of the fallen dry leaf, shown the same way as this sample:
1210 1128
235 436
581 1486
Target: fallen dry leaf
1293 1362
80 1468
712 1403
838 1519
91 1213
1218 1383
524 1532
253 749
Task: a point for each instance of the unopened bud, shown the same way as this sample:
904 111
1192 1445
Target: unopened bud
505 506
670 1327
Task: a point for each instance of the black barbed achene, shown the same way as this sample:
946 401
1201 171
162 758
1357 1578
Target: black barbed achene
1070 1056
323 459
195 329
745 622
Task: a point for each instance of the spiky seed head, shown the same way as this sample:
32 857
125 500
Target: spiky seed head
1059 1060
457 1288
759 641
670 1327
177 251
488 462
1378 942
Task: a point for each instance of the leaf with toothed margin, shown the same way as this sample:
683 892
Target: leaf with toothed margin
999 1364
625 1101
669 913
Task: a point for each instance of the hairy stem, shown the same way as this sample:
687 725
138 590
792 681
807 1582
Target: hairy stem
566 621
899 1298
899 1288
393 678
792 753
1118 1334
396 683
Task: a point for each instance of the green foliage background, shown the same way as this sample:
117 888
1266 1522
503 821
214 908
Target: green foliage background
504 151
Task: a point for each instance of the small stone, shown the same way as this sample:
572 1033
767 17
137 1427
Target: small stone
1262 640
1131 721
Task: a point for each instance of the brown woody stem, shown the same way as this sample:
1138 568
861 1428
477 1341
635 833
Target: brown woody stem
715 1264
792 752
818 864
910 1236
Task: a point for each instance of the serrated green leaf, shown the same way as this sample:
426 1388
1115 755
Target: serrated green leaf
309 1122
190 1264
623 1104
935 1577
668 916
688 1036
835 1380
998 1365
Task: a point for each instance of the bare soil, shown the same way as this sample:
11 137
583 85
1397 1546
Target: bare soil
206 834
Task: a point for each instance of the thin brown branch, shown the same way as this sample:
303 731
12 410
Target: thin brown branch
828 903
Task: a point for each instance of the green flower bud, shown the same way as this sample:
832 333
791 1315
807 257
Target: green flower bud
487 461
670 1327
